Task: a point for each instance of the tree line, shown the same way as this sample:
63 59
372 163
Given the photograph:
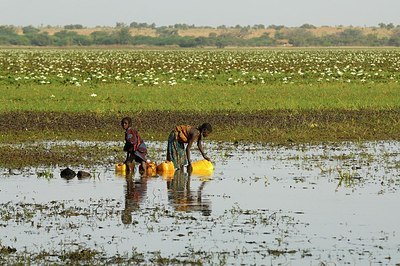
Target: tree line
169 36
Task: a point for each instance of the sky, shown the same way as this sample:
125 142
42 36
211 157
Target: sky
290 13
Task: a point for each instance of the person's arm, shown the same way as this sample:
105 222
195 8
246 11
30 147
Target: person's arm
126 149
129 144
188 146
133 139
200 146
193 133
127 157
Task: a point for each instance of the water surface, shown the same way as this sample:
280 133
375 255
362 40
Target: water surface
298 205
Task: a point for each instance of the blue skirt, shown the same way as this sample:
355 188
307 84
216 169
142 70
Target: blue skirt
176 151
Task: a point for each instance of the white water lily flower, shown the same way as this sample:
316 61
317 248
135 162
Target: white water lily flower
93 95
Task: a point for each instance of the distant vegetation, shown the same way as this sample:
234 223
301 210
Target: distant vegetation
183 35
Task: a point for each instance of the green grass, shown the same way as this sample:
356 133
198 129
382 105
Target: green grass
198 98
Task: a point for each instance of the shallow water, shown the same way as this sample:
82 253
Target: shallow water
296 205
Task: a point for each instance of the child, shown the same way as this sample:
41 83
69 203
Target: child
134 146
185 134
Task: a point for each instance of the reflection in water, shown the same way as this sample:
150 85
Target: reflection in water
135 192
180 195
183 198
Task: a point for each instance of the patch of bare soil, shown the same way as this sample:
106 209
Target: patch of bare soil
164 121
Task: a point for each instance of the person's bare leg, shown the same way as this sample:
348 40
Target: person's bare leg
144 167
130 167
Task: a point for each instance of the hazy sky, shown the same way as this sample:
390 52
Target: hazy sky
200 12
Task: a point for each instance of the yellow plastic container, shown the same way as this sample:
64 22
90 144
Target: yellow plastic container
166 169
202 168
120 168
151 168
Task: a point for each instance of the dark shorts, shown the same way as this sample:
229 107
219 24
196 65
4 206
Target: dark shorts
136 158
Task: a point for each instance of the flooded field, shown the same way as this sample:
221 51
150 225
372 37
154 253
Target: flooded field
327 204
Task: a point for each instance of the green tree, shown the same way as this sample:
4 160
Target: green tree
66 38
7 30
30 30
307 26
123 36
40 39
9 36
264 40
301 37
103 38
394 40
276 27
258 26
350 37
120 25
73 27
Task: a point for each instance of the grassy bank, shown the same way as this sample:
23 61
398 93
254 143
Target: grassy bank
270 126
270 114
117 99
326 112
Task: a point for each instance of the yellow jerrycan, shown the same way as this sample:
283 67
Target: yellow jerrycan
151 168
166 169
202 168
120 168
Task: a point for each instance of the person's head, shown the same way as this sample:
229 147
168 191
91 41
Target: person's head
126 122
205 129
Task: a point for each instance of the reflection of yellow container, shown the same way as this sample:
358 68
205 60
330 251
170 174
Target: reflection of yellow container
120 168
166 169
202 168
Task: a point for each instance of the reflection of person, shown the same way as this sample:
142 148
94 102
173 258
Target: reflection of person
185 134
134 193
182 197
136 150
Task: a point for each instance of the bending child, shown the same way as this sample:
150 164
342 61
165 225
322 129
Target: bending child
185 134
136 150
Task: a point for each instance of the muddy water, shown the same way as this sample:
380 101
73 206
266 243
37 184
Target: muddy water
299 205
